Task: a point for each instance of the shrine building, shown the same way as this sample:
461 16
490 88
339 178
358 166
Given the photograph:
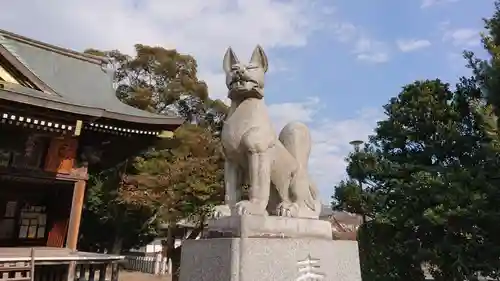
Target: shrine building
59 118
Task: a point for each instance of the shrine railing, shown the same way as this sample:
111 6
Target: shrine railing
56 265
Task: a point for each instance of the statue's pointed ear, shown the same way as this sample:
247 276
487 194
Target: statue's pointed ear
230 59
259 58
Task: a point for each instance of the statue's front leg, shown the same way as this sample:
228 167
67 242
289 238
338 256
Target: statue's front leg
232 185
260 153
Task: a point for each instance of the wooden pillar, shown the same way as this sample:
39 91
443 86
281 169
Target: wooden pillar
75 215
114 271
71 275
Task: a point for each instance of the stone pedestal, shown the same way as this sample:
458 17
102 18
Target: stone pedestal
268 226
258 256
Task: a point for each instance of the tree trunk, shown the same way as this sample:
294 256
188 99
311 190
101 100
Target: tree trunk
116 249
168 247
176 263
176 253
169 242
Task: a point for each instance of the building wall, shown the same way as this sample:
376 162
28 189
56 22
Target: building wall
155 246
30 213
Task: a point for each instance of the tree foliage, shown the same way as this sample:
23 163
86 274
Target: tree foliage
120 227
430 186
428 178
177 178
181 182
164 81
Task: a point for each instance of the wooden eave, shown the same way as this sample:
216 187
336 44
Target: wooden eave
43 95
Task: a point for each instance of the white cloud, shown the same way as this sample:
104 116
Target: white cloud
331 145
205 29
330 138
371 50
364 47
202 28
461 37
283 113
412 44
430 3
345 32
373 57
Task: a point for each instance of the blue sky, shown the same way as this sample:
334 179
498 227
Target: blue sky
347 84
333 64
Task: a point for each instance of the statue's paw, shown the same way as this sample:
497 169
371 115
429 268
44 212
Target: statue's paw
288 209
221 211
250 208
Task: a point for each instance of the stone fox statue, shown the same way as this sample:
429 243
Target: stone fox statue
274 167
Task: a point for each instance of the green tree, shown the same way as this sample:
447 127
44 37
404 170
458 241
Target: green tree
487 71
165 82
120 226
182 183
431 172
352 195
434 196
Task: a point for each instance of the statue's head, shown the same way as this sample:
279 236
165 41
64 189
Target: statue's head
245 80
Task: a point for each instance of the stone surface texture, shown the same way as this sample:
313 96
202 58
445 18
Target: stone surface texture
243 242
275 167
269 226
265 259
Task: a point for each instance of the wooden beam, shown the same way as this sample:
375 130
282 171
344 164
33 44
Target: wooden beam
76 214
5 75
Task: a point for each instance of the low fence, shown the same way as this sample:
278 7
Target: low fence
154 264
55 264
16 271
96 272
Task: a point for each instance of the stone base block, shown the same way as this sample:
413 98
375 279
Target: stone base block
269 259
268 226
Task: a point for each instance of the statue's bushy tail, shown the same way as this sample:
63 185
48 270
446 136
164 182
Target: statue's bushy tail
296 138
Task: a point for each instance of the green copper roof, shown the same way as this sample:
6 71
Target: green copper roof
75 80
